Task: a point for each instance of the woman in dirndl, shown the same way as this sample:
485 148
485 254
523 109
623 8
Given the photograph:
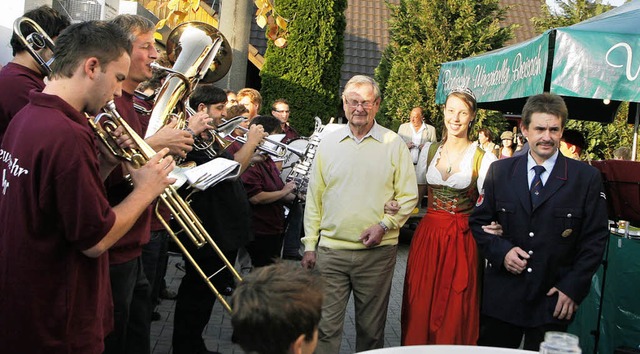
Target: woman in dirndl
441 289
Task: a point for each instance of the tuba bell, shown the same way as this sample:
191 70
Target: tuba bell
199 52
34 42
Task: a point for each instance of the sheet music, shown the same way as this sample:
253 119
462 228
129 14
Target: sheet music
212 173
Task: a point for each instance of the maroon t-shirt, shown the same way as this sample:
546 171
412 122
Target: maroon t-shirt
156 225
53 298
130 245
15 83
268 219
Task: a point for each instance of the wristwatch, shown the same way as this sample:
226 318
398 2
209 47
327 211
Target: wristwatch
383 226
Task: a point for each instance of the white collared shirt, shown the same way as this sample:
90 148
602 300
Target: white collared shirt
547 164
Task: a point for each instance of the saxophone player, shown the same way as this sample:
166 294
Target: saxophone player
55 221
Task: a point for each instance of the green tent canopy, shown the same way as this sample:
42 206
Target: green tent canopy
594 65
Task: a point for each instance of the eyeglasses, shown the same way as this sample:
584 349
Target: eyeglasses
354 104
282 111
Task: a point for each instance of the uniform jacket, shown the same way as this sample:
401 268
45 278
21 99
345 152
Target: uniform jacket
565 236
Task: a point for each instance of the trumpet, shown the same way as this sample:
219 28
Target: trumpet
279 150
180 210
34 42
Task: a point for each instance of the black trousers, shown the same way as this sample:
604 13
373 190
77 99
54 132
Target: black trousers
497 333
132 313
195 300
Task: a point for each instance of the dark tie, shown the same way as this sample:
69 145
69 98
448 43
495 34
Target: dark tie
536 185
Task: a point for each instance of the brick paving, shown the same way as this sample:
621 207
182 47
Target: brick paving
218 331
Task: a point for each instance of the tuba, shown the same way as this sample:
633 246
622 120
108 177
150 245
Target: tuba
34 42
180 210
199 52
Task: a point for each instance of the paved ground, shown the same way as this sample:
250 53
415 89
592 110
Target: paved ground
218 331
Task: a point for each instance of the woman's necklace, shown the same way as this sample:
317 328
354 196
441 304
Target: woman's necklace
446 153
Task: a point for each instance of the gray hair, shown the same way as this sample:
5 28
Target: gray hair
359 80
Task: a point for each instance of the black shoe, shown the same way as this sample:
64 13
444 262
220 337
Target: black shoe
168 294
156 316
228 291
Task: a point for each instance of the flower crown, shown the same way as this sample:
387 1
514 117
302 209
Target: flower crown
465 90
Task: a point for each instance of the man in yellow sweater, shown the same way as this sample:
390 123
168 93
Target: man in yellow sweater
347 234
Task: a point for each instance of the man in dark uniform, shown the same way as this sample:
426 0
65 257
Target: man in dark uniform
225 212
554 218
55 222
23 73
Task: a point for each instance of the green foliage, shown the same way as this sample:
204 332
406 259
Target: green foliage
307 72
602 139
424 34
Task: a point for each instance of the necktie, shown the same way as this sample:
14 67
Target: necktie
536 185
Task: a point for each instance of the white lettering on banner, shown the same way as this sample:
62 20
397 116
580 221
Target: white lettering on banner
524 69
12 166
630 76
481 80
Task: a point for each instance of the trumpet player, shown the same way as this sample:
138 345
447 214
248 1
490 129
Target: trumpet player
225 213
55 220
23 73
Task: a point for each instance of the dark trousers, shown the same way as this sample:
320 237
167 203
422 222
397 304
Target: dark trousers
265 249
195 300
132 315
497 333
154 260
293 232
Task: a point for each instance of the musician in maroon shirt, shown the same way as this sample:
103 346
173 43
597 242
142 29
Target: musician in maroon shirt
280 110
55 221
23 73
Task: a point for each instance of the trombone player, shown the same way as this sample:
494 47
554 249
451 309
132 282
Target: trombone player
23 73
55 221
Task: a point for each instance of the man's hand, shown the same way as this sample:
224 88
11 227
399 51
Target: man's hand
255 135
391 207
308 260
200 122
493 229
178 141
372 236
410 145
153 177
516 260
565 307
123 140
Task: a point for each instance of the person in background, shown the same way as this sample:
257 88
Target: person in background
416 133
276 309
507 145
251 99
280 110
485 141
231 98
553 214
23 73
348 236
572 144
622 153
56 224
440 303
267 194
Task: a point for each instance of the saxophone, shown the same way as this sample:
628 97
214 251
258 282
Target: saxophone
300 171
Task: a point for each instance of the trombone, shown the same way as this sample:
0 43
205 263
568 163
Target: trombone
34 42
180 210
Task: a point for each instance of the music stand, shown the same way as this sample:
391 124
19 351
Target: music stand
621 181
622 186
